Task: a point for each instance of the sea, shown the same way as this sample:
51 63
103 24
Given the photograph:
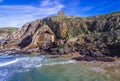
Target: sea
41 68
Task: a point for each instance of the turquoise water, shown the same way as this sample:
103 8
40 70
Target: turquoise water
41 68
68 72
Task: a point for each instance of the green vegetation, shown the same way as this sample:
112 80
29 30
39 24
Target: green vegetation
62 46
115 13
7 30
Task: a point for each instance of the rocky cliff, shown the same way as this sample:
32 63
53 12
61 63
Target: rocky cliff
95 29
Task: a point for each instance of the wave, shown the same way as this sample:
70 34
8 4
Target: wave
57 63
31 62
8 63
23 64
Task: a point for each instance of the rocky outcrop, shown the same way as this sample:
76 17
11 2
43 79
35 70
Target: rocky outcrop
88 58
70 27
91 36
42 35
97 45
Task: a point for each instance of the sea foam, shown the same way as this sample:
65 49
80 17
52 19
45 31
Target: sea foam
8 63
57 63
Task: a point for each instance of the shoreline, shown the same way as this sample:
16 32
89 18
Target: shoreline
112 69
109 68
72 55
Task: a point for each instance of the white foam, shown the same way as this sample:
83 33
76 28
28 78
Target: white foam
23 64
57 63
62 62
8 63
30 62
98 69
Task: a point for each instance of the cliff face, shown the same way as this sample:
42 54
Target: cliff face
87 34
71 27
67 27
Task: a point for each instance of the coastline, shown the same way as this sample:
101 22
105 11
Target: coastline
107 71
110 69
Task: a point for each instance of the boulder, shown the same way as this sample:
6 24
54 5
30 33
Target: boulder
61 51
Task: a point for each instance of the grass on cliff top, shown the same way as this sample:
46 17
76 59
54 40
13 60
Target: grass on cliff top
57 18
112 13
7 30
115 13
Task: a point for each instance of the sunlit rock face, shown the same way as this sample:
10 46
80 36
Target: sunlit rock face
103 28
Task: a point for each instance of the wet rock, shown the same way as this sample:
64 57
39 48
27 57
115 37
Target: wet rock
105 59
61 51
88 58
67 50
85 58
19 52
53 51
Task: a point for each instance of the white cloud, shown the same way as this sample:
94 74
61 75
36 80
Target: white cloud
45 3
49 3
17 15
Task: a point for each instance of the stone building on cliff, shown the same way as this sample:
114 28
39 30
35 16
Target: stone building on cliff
61 13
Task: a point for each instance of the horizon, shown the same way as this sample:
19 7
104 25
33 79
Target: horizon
21 11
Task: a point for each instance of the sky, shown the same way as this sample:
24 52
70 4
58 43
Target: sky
15 13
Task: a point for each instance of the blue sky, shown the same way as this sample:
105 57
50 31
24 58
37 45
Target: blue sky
15 13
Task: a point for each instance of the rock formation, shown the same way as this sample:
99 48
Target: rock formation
95 35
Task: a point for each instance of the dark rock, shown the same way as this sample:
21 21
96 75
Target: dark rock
19 52
61 51
53 51
88 58
34 50
85 58
54 57
113 49
105 59
66 51
25 42
97 54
